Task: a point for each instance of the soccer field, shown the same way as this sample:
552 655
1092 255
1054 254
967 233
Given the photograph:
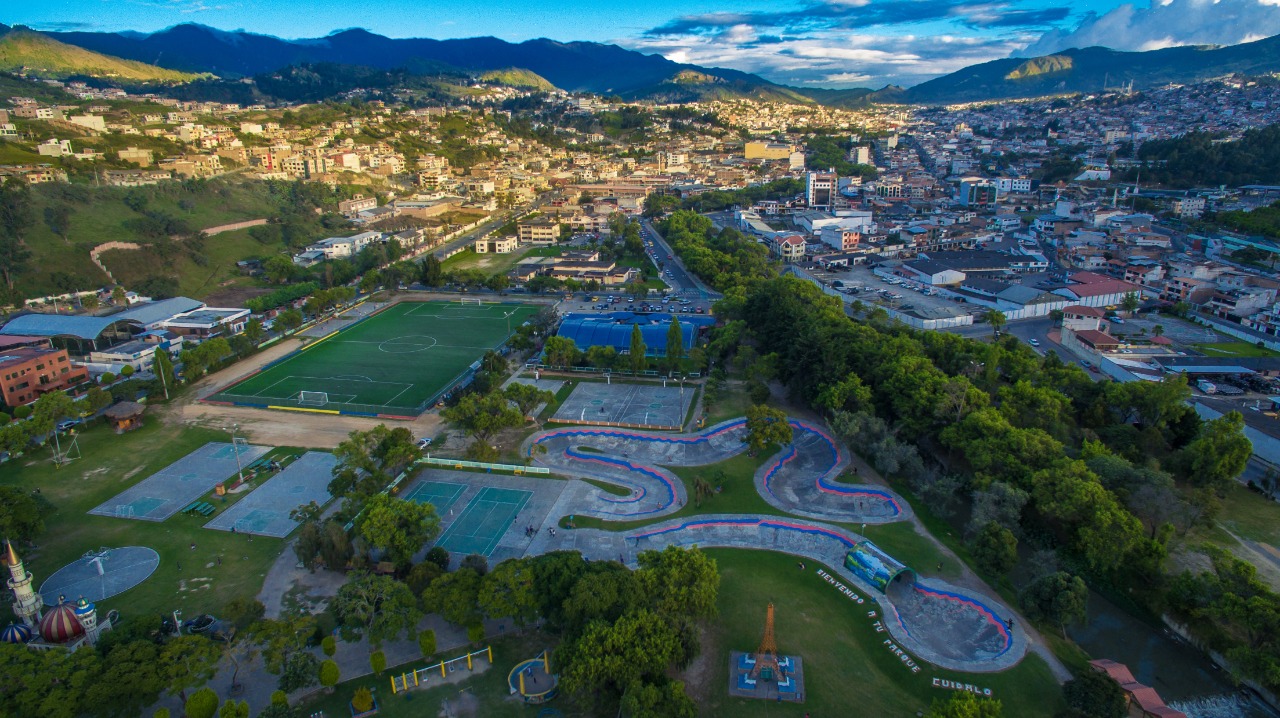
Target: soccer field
396 362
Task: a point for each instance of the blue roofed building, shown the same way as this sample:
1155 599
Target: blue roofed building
81 335
614 330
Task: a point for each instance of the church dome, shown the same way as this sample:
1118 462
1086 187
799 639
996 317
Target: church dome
61 624
16 633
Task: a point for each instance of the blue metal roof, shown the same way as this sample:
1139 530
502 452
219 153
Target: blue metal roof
54 325
587 330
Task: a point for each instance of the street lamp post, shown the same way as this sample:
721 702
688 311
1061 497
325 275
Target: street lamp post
236 448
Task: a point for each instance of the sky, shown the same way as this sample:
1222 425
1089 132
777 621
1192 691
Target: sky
810 43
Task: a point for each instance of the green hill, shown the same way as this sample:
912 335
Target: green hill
517 77
42 56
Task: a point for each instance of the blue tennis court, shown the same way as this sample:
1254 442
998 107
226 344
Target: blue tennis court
439 494
484 521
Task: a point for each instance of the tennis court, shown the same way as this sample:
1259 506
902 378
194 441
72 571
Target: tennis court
484 521
174 487
398 361
265 511
439 494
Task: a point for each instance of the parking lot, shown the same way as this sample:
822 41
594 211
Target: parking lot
619 302
904 295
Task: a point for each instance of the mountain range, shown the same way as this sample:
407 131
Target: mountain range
612 70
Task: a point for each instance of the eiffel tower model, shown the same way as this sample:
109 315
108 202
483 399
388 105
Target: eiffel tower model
766 656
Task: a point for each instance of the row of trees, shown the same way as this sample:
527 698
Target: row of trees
562 352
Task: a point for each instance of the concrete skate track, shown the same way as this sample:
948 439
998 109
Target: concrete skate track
799 480
943 625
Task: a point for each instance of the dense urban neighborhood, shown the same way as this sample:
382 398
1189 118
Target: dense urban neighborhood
432 390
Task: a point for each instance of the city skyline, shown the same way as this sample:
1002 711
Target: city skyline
814 43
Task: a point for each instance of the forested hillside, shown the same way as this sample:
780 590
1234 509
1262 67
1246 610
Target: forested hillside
1200 159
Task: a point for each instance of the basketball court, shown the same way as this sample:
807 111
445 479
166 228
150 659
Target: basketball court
399 361
649 406
174 487
100 574
265 510
484 521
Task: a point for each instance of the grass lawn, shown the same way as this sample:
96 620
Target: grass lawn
489 687
492 264
731 402
847 669
1250 515
113 463
1234 349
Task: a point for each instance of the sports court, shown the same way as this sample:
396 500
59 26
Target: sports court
484 521
649 406
265 510
174 487
437 493
398 361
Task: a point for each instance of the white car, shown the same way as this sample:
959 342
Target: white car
1034 342
424 443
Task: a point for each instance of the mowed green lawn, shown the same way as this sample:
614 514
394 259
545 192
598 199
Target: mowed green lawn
394 361
112 463
848 671
1234 349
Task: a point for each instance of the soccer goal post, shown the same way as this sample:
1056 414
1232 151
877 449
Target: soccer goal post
470 300
313 398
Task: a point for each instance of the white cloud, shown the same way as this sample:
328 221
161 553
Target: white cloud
1167 23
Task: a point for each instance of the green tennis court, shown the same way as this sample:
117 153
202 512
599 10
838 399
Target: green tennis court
398 361
483 522
439 494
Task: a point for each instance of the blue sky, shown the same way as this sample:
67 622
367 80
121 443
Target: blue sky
819 43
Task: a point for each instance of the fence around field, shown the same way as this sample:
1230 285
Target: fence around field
464 464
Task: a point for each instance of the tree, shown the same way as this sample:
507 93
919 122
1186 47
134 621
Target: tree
288 320
455 596
664 700
638 361
15 218
21 516
475 562
378 661
397 526
675 344
362 700
300 671
995 549
279 269
427 642
1058 598
377 606
432 274
187 662
329 674
527 397
964 704
57 217
1096 695
679 582
1130 302
560 352
202 704
329 646
253 330
765 426
996 319
610 657
1220 453
508 592
483 416
601 357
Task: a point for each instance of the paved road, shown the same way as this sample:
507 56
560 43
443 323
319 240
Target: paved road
497 221
681 280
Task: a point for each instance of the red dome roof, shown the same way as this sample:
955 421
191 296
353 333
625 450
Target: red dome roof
60 624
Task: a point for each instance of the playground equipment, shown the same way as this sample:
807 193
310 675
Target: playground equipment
420 676
533 680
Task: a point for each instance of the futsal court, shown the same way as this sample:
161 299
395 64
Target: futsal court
649 406
265 510
174 487
398 361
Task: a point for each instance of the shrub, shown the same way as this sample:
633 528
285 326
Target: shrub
202 704
278 698
378 662
23 411
329 645
362 701
475 632
126 371
107 378
427 642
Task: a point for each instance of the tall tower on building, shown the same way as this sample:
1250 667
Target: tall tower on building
87 614
27 604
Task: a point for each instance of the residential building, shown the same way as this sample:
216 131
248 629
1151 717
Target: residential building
820 189
496 245
788 247
539 230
